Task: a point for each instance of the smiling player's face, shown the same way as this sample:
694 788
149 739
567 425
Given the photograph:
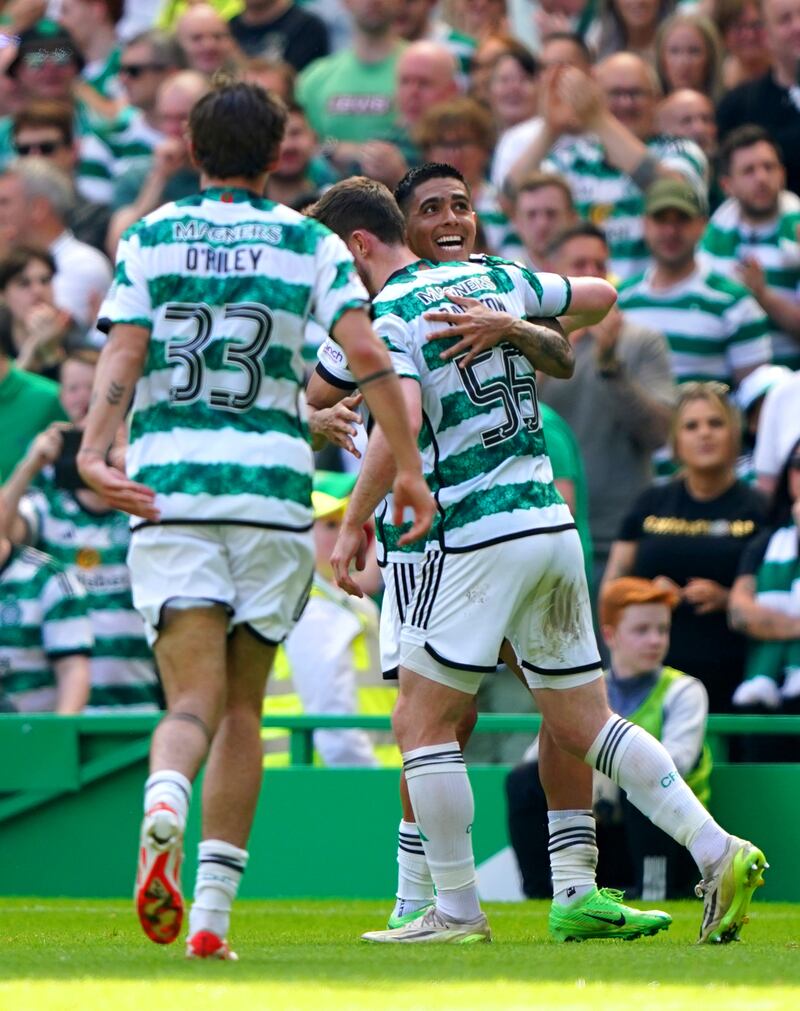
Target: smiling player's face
441 221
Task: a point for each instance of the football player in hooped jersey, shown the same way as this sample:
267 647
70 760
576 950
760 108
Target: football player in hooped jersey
504 565
440 225
206 318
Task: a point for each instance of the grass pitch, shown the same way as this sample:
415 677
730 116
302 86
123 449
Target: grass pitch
91 955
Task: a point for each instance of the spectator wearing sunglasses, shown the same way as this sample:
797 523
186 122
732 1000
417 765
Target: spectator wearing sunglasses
46 130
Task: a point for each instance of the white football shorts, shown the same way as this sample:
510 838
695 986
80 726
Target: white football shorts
400 580
263 577
530 590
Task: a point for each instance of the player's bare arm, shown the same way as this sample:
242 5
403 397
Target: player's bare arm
480 328
120 366
374 482
372 367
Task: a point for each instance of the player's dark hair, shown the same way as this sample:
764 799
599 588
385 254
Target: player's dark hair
236 130
364 204
583 230
405 189
741 138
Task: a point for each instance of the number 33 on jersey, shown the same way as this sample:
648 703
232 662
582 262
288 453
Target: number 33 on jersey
225 282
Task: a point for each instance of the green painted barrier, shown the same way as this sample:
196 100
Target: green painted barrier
69 821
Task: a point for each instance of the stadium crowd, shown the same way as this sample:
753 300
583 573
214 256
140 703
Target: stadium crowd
656 144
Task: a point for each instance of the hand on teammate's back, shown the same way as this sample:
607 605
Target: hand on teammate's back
479 327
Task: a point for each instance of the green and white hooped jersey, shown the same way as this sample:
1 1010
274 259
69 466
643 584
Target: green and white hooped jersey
93 547
43 618
713 325
498 229
225 281
611 200
482 442
728 240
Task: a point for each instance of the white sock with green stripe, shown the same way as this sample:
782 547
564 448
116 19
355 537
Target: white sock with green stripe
642 766
414 881
220 866
573 854
441 797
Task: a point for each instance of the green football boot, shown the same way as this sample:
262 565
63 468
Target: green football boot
395 922
727 893
600 915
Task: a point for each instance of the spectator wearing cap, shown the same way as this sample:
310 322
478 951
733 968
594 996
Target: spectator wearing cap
93 26
461 133
772 101
280 29
45 130
205 40
714 327
750 400
598 132
753 235
47 67
690 533
619 400
36 199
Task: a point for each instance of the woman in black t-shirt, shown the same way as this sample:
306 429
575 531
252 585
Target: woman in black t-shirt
691 532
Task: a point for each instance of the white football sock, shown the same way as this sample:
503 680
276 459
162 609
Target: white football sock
170 788
220 867
641 765
414 881
573 854
441 796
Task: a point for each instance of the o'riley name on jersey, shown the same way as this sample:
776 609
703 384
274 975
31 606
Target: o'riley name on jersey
225 283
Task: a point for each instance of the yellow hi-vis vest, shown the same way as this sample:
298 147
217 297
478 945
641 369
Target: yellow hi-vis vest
650 717
374 696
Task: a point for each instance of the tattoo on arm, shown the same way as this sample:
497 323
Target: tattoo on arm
115 393
544 344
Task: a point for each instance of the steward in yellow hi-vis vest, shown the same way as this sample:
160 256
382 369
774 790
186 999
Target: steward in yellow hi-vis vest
330 663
